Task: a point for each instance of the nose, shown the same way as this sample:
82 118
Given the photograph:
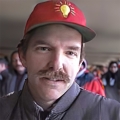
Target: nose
57 61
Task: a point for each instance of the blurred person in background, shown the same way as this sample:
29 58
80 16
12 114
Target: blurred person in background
88 81
84 75
18 72
111 81
5 77
97 72
104 69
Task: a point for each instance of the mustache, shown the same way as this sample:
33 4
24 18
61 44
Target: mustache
54 75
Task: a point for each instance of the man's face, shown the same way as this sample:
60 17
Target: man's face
52 60
16 63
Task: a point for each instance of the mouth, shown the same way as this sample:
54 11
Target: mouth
53 79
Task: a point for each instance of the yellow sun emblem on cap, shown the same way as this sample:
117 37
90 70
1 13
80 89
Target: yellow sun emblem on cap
65 8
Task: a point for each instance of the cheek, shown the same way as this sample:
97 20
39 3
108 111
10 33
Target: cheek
35 62
73 68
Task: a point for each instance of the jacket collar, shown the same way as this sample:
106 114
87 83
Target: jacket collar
67 99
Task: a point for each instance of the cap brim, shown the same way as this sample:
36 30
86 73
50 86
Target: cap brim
86 32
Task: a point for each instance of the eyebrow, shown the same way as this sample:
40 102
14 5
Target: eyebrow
74 48
40 42
43 42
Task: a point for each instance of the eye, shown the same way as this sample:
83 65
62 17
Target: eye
71 53
43 48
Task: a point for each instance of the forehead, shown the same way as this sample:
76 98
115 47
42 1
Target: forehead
15 55
56 32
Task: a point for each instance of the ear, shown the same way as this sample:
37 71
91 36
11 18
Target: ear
80 63
22 57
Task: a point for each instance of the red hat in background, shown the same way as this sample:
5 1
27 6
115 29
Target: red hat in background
62 12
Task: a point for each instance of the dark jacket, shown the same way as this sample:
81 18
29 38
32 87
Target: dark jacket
5 78
16 84
84 78
75 104
112 90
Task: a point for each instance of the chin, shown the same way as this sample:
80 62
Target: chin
54 94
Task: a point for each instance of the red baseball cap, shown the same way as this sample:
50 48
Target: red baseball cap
61 12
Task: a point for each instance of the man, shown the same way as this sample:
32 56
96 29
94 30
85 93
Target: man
111 81
88 81
18 72
5 76
52 53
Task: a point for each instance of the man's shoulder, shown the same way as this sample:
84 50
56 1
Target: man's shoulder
9 100
92 99
7 104
10 96
92 106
